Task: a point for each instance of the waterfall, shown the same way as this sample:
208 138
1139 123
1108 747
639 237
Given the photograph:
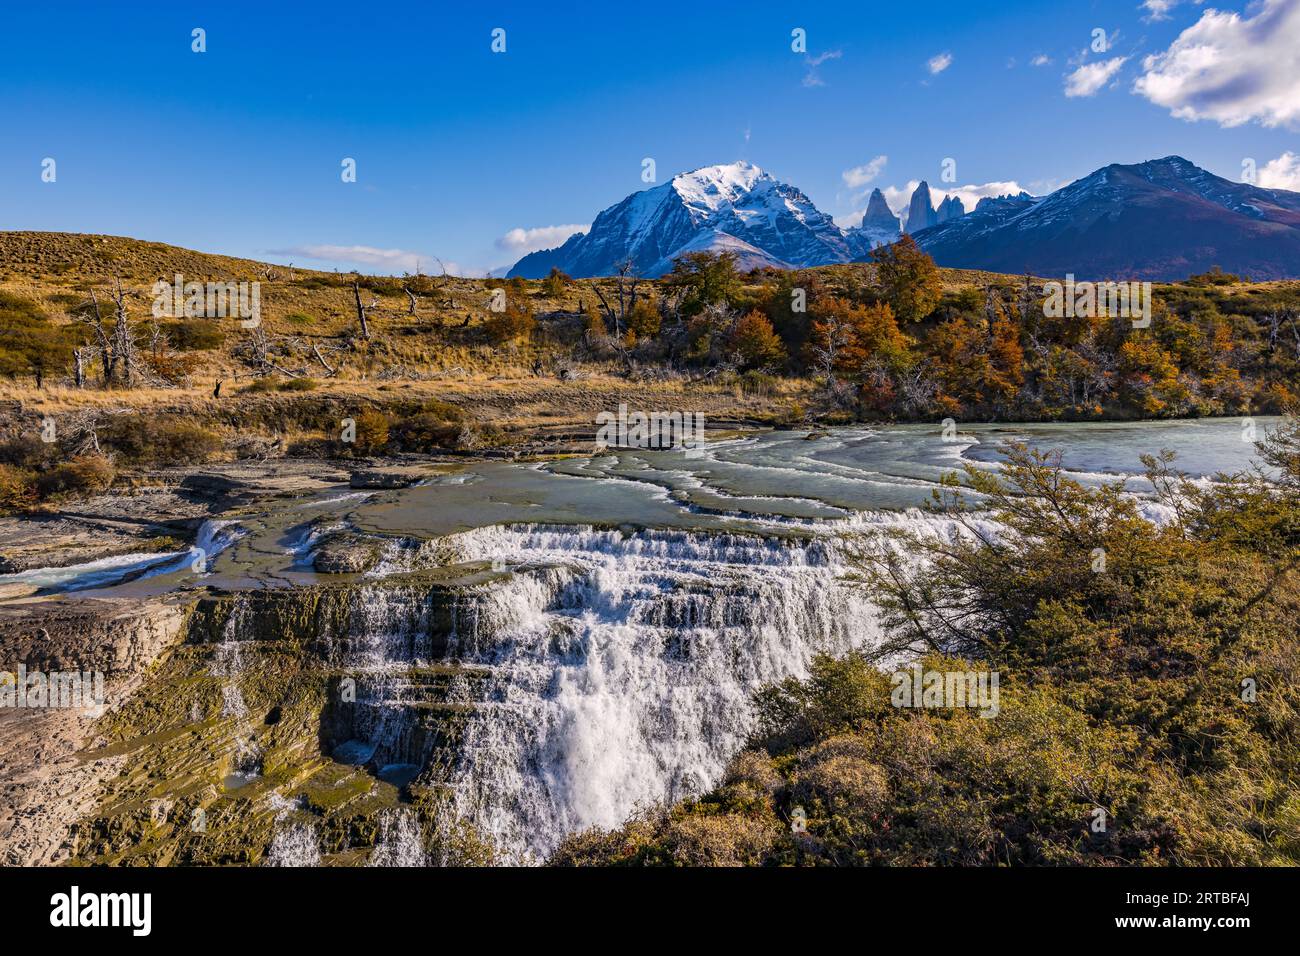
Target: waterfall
623 667
228 666
295 844
400 842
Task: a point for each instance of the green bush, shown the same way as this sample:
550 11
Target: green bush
435 425
194 335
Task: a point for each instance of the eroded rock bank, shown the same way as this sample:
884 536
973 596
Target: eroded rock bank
260 727
50 775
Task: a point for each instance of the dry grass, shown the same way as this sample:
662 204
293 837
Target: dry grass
438 353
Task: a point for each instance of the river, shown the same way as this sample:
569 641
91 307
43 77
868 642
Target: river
636 598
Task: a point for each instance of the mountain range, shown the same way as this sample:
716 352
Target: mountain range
1162 220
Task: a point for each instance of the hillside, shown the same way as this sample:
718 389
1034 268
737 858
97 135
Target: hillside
50 255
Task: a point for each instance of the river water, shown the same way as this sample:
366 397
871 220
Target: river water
643 596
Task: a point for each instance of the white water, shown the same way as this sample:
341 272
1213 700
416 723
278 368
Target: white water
399 842
624 667
214 537
295 844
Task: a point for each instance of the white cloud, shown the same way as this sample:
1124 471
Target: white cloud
1041 59
938 63
1281 173
812 77
391 261
859 176
524 241
1088 79
1231 69
1159 9
897 198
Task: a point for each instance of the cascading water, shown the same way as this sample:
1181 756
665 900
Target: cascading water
294 845
399 842
623 667
228 666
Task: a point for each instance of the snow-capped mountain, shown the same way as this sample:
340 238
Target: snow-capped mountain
1162 219
735 207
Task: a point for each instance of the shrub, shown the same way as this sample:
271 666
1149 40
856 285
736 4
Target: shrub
511 325
757 383
194 335
17 488
303 384
26 451
436 425
83 475
555 283
143 440
372 431
644 320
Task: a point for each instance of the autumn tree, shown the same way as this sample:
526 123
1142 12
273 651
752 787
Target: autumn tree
909 279
755 341
643 320
851 338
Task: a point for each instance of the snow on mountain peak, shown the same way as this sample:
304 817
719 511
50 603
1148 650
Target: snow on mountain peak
712 189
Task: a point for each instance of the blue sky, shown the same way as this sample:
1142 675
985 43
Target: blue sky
238 149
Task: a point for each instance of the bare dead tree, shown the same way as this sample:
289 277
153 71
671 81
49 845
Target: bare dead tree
363 311
445 285
94 319
124 347
410 296
835 334
266 353
79 367
80 429
329 369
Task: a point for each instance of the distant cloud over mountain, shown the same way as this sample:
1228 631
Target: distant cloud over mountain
1281 173
521 241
